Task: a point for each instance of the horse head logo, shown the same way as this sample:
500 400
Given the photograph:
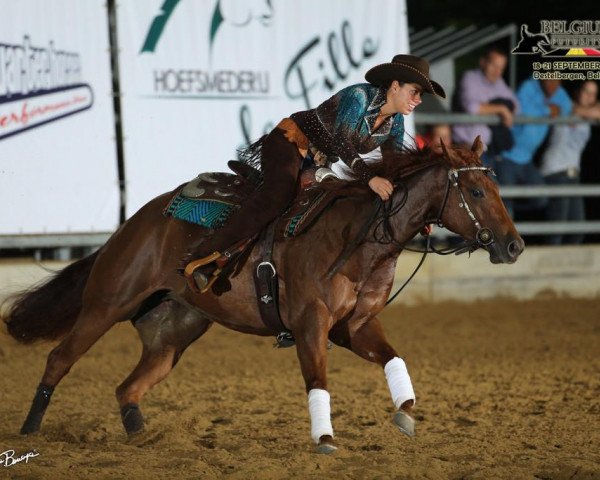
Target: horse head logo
531 43
238 13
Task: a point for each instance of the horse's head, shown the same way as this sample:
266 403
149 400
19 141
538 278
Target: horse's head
472 207
451 188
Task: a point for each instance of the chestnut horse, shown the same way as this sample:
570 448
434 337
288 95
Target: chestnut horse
133 276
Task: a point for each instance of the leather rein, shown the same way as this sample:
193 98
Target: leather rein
385 210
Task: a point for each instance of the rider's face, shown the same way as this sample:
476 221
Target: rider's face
404 98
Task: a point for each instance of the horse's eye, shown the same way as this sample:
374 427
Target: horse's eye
477 193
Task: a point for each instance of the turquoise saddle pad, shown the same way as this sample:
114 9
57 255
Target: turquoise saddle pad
207 213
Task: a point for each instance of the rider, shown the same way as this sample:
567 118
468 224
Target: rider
358 119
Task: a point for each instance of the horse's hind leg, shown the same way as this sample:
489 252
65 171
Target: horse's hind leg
93 322
166 331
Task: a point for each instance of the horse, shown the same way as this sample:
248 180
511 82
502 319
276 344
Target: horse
134 277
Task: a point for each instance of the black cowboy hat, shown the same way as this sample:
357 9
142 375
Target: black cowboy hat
405 68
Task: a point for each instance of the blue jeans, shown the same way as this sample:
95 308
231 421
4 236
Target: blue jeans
564 208
511 173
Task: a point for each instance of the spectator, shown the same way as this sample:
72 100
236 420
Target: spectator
483 91
434 135
544 98
561 160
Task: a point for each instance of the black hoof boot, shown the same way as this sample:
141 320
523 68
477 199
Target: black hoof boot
132 418
38 408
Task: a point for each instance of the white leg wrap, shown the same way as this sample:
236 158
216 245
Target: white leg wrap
399 381
320 414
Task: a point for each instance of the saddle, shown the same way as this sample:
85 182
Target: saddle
210 198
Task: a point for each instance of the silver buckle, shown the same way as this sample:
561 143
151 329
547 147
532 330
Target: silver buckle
262 264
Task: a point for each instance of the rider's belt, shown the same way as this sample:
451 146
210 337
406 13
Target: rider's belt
294 135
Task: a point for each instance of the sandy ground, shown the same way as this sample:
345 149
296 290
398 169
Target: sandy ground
504 390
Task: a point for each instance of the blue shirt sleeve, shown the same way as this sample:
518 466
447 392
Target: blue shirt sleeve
532 100
562 99
351 108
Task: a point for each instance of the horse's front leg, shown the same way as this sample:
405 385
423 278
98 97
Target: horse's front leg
368 341
311 347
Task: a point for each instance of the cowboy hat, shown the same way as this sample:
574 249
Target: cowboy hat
405 68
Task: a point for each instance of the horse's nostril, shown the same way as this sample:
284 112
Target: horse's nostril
514 249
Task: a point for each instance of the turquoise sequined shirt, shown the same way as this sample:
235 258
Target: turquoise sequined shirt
342 126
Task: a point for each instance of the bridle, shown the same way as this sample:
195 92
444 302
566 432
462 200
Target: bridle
384 210
483 238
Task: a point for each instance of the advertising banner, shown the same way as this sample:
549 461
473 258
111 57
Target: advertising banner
201 79
58 167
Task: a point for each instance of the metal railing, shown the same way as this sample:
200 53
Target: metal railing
468 118
547 227
55 240
526 191
96 239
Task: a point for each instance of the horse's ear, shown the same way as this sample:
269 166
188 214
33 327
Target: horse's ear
477 146
445 150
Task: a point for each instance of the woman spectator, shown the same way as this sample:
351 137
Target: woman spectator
561 160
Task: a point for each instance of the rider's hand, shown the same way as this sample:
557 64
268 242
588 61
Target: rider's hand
382 187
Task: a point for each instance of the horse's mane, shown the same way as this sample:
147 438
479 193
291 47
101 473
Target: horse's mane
397 166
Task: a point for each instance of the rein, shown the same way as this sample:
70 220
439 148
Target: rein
483 237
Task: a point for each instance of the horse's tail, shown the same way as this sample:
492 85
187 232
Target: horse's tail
49 310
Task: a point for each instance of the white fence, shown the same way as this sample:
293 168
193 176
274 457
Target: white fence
72 158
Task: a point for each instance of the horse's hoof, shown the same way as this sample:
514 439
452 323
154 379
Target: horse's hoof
133 438
326 445
132 418
405 423
28 429
144 438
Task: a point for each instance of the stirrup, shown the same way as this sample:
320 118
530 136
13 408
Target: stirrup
201 283
196 264
193 265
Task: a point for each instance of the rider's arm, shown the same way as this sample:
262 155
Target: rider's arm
350 112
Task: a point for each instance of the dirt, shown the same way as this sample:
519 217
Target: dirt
504 389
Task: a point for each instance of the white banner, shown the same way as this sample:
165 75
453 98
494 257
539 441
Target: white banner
58 167
203 78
